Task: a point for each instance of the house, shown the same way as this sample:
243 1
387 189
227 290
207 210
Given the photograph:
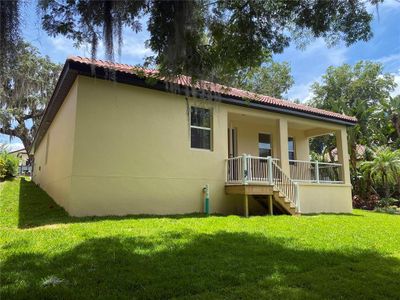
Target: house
112 142
24 165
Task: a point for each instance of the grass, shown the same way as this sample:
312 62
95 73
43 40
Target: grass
45 254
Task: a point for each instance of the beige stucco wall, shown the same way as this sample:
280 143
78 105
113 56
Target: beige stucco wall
325 198
133 156
54 175
247 135
117 149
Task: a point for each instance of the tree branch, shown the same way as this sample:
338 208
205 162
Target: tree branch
32 116
9 131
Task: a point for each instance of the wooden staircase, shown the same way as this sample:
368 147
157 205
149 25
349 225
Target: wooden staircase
286 205
279 201
248 176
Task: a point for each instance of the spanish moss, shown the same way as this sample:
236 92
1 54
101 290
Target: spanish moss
9 31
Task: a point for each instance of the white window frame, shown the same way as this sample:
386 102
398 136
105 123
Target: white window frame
201 128
258 142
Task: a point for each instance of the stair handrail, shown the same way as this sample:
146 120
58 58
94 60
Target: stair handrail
283 183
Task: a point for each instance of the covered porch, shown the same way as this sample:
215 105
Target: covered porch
269 157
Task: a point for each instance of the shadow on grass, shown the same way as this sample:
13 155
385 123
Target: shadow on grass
202 266
37 208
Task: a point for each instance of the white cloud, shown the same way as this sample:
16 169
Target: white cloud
331 55
65 46
302 91
389 59
135 47
390 4
385 5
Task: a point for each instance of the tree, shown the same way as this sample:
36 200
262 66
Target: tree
9 30
272 79
391 130
384 169
359 91
27 85
200 37
394 111
356 91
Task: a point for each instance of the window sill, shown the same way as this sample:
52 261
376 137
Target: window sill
201 150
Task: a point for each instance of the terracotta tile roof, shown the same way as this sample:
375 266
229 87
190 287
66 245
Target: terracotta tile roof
216 88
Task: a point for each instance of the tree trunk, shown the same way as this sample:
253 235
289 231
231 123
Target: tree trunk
396 124
386 186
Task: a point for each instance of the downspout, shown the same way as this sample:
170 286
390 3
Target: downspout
206 192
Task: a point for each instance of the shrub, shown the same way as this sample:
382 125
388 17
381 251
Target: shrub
388 210
8 165
365 203
386 202
2 168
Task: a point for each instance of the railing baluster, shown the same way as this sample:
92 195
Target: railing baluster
247 168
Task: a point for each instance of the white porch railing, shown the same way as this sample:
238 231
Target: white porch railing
247 169
315 172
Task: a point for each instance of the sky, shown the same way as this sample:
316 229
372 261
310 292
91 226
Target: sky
308 65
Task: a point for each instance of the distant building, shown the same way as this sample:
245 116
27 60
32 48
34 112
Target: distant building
24 166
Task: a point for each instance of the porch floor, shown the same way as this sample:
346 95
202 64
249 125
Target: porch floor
249 189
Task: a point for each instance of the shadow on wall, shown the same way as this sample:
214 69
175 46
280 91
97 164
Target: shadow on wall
37 208
207 266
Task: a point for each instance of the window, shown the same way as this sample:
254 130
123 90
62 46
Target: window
200 128
264 145
291 148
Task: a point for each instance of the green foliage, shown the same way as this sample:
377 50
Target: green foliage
8 165
394 210
46 254
391 129
272 79
387 202
2 168
321 147
357 91
198 38
9 32
91 21
26 87
384 169
363 91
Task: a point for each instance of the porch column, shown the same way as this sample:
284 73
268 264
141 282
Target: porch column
283 145
343 154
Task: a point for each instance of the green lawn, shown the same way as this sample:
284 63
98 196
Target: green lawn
47 255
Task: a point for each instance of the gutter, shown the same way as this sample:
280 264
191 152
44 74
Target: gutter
64 83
